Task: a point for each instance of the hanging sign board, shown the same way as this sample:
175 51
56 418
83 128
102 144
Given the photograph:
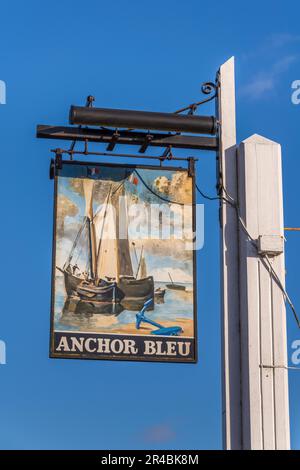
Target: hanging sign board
123 283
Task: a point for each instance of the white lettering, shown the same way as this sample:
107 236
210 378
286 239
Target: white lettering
296 93
88 345
2 92
103 345
296 354
2 352
129 347
184 348
63 344
171 348
150 348
77 345
117 346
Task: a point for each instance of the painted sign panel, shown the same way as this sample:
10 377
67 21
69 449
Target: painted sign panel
123 283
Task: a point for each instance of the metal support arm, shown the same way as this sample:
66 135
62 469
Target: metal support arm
109 137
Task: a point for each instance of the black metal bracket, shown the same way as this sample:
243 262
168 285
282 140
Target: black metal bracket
52 169
147 142
207 88
58 159
191 167
108 136
168 153
161 158
129 136
56 163
113 142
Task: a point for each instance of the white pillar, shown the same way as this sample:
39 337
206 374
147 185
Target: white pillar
230 320
264 378
254 349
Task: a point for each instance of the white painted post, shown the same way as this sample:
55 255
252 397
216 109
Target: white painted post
231 349
254 349
264 379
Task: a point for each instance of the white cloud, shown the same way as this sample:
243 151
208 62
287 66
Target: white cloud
271 46
270 52
258 86
264 82
282 39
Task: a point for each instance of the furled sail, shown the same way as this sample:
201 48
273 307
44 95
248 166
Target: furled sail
88 186
141 272
105 225
109 233
118 201
143 269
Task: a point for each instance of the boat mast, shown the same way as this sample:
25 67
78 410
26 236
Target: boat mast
134 250
139 265
171 278
101 235
88 186
69 259
90 250
124 264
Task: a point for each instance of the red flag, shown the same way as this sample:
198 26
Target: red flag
133 179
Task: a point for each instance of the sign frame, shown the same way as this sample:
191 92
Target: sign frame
122 357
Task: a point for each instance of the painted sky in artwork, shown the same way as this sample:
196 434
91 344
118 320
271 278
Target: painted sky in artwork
163 256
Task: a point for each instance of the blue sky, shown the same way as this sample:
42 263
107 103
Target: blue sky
154 56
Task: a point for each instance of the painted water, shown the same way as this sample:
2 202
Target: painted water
74 315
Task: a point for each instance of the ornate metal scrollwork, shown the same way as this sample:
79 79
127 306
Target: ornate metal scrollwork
207 88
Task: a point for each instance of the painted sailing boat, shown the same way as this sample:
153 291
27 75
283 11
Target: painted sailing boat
141 273
174 286
138 288
109 276
88 285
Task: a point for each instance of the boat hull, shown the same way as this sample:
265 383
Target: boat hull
129 289
106 292
175 286
71 283
159 295
142 289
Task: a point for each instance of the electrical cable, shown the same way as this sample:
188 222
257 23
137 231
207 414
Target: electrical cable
156 194
230 200
210 198
262 366
265 259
